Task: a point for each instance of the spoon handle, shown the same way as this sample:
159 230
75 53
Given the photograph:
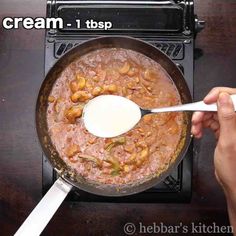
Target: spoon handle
196 106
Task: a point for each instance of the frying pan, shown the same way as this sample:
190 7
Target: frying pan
43 212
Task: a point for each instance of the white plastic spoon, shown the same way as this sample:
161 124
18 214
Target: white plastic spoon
110 115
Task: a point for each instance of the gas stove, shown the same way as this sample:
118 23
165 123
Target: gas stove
170 26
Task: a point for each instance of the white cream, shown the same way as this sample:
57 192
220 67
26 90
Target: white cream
109 115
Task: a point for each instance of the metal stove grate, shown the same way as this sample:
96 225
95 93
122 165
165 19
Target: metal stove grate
177 186
62 47
173 50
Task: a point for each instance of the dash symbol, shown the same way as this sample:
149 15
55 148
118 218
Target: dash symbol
68 24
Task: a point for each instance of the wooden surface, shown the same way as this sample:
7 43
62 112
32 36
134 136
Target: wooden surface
22 64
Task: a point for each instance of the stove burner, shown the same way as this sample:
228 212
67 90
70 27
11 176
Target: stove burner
173 34
177 186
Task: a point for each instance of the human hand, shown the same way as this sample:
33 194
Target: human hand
201 120
223 124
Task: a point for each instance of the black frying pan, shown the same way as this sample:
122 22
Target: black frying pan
68 177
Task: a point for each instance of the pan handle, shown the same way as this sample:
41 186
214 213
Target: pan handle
43 212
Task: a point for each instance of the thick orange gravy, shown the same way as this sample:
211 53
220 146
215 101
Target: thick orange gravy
146 150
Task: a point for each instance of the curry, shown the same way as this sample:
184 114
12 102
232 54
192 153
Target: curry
147 149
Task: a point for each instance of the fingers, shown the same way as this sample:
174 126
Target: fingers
202 120
199 135
213 95
214 126
198 122
196 130
197 119
226 115
208 116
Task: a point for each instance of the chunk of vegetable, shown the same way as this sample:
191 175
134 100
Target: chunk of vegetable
74 86
51 99
144 153
132 159
127 168
150 75
72 150
124 91
142 156
81 82
89 86
131 85
95 79
114 142
73 113
129 148
115 164
80 96
112 88
132 71
141 144
92 140
125 68
97 91
94 160
59 105
137 79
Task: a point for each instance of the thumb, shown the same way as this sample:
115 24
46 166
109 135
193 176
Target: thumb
226 115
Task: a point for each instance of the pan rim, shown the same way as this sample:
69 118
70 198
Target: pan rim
147 184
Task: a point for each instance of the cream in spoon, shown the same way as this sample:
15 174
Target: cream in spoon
109 115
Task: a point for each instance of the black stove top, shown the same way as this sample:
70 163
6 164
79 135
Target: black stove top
174 35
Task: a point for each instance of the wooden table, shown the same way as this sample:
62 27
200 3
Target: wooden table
21 63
